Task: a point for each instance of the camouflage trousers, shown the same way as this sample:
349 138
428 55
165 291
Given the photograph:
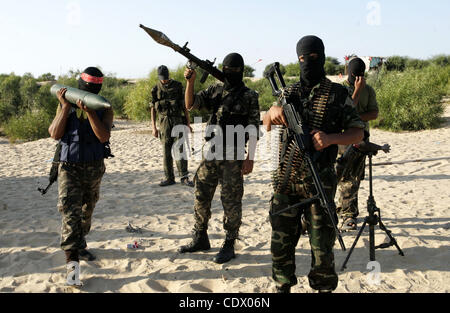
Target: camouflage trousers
78 192
208 176
348 187
286 230
182 164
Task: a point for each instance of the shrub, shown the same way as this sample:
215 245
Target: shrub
411 100
396 63
333 67
441 60
416 64
32 125
292 69
10 100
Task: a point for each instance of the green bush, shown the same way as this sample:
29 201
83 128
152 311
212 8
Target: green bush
333 67
396 63
249 71
10 99
292 69
116 90
32 125
417 64
441 60
411 100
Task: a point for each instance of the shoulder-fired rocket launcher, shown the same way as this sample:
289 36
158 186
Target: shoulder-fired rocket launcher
207 66
91 100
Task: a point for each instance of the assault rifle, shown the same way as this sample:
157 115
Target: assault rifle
194 62
301 135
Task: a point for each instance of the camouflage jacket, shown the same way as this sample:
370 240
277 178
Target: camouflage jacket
339 114
238 106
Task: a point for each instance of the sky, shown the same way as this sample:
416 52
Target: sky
59 35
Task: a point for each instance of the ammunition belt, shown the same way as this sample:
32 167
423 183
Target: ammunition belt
291 163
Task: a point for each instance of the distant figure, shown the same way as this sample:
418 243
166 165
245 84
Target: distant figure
83 134
168 102
365 102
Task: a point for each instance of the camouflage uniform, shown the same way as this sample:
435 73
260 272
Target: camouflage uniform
244 107
78 192
348 185
79 185
168 101
286 227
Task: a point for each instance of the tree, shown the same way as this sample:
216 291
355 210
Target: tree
46 77
28 90
396 63
249 71
333 67
10 99
292 69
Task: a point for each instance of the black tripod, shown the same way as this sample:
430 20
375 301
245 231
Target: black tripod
373 219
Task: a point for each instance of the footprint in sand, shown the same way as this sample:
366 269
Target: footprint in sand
181 268
156 286
194 288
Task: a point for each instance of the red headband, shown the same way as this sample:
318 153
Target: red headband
91 79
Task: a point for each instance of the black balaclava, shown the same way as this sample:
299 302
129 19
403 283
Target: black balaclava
356 67
91 80
163 72
312 71
233 79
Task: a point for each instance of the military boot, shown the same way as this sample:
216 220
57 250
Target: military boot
168 182
86 255
185 181
200 242
226 253
283 289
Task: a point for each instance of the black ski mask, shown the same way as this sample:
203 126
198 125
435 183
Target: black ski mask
312 69
356 67
91 80
233 70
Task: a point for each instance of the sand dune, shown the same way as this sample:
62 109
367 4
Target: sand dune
413 197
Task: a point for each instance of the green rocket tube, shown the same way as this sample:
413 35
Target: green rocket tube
92 101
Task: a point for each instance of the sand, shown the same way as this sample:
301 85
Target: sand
413 197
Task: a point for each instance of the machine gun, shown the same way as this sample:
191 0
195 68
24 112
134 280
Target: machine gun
194 62
301 134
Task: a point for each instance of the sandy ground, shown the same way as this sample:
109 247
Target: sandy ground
413 197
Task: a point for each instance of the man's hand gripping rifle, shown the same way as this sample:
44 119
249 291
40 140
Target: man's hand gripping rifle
302 139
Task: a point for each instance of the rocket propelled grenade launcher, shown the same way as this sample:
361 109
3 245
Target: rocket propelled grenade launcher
300 133
207 66
91 100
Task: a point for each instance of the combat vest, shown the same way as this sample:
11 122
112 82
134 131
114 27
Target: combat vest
230 108
168 101
319 109
79 143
